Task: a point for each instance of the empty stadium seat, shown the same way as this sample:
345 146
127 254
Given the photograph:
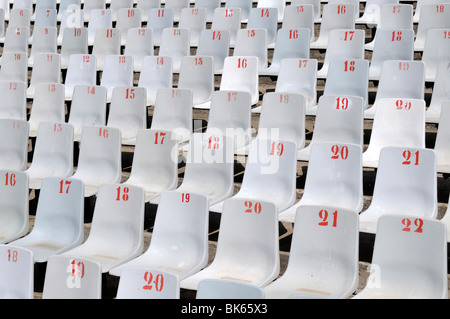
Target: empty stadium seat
436 50
147 283
343 44
299 17
44 42
156 73
246 225
323 258
100 159
14 100
158 20
106 43
442 146
439 94
48 105
432 16
52 154
14 147
59 225
339 120
210 6
45 18
16 40
270 174
334 178
81 71
47 69
17 275
227 19
409 259
228 289
139 45
14 216
128 18
244 6
116 5
146 5
215 43
180 237
252 43
197 74
397 122
175 44
67 6
72 20
21 18
72 278
317 12
117 72
88 107
117 231
264 18
177 6
193 19
75 41
372 11
241 74
155 163
405 183
99 19
399 79
14 67
90 6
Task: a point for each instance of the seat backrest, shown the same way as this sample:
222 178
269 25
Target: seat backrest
68 5
432 16
98 19
82 70
44 41
210 6
299 16
72 278
75 41
158 20
139 45
284 113
227 19
442 146
240 73
436 50
227 289
316 5
14 147
16 40
47 69
410 253
71 19
17 275
21 18
156 73
14 100
88 107
146 5
14 198
45 17
252 42
372 9
215 43
128 18
193 19
244 7
280 5
175 43
116 5
89 6
264 18
14 67
106 42
177 6
440 93
117 72
145 283
396 16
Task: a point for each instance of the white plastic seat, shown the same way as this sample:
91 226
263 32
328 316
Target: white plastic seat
432 16
227 289
158 20
343 44
227 19
409 259
67 6
291 43
14 198
442 146
106 43
146 5
393 16
173 112
72 19
334 178
390 44
280 5
90 6
215 43
405 182
397 122
193 19
270 173
230 115
16 40
48 105
59 225
116 5
348 77
264 18
69 278
399 79
252 43
139 45
128 112
75 41
436 50
156 73
44 42
241 74
339 120
99 19
117 72
14 67
439 94
14 100
175 44
146 283
323 259
298 76
177 6
5 5
20 18
244 6
128 18
210 6
179 242
100 159
419 5
356 3
197 74
53 153
209 167
44 18
155 164
81 70
22 4
14 147
372 11
317 12
334 16
299 17
17 275
246 225
88 107
47 69
117 231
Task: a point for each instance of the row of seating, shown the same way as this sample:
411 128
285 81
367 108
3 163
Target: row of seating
323 260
